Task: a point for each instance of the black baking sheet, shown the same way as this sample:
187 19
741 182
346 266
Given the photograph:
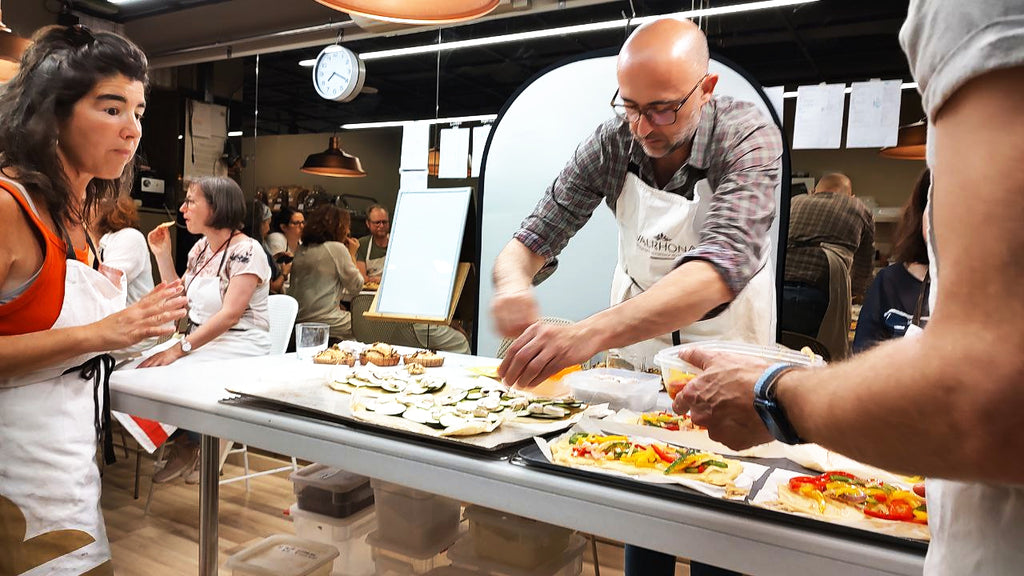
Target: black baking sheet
531 456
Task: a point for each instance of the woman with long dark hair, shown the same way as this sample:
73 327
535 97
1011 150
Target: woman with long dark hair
69 127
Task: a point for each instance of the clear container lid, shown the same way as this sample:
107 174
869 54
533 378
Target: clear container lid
533 529
282 555
327 478
669 357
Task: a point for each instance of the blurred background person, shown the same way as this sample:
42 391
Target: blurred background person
286 231
259 229
373 248
324 272
115 230
898 297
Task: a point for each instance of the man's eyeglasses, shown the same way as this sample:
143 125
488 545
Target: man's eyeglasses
378 222
657 113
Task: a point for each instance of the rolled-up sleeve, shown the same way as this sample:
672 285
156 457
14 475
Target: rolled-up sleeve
742 208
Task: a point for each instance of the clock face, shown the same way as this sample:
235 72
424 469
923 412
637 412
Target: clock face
338 74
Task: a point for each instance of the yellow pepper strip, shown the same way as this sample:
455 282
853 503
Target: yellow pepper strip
921 516
595 439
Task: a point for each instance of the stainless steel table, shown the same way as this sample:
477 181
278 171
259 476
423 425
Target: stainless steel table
188 396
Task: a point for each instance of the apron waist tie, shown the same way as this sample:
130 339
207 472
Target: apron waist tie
98 369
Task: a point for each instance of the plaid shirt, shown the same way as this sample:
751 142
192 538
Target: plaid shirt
829 217
736 147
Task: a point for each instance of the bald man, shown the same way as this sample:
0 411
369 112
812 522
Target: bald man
829 255
691 178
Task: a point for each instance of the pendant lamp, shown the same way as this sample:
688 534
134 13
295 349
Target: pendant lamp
334 162
415 11
12 47
910 143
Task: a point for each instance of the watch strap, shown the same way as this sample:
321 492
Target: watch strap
764 394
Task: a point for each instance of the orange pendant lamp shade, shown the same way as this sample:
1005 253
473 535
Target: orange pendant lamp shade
334 162
415 11
910 144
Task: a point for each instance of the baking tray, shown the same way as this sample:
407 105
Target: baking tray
532 457
307 393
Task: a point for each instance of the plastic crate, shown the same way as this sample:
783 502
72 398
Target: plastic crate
283 555
413 519
568 563
394 560
331 491
513 540
348 535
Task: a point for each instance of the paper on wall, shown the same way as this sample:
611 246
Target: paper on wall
415 145
874 114
454 153
819 116
480 134
775 96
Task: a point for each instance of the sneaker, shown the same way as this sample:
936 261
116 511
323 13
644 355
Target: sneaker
184 458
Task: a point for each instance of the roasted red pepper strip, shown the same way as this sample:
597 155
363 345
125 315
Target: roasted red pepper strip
797 481
897 510
662 454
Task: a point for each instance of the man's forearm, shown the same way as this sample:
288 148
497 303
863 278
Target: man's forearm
515 267
679 299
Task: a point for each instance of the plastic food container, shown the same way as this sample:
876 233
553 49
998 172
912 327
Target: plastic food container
514 540
676 373
568 563
283 555
348 535
331 491
637 391
397 560
453 571
413 519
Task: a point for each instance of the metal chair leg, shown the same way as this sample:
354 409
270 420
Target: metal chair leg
593 548
138 469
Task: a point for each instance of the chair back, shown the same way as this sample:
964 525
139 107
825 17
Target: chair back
370 330
796 341
506 342
282 309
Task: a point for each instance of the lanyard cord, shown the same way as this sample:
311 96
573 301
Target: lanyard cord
222 259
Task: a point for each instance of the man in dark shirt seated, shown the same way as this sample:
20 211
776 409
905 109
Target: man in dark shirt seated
829 219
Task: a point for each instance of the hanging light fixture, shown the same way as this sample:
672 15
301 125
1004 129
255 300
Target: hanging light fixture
415 11
334 162
12 47
910 143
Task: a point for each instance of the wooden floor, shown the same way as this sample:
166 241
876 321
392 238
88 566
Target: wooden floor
165 542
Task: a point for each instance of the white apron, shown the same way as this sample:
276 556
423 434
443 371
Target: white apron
50 485
655 229
374 266
204 300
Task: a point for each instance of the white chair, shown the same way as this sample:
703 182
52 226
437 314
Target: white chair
282 310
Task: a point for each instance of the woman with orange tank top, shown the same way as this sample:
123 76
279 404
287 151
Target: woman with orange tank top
69 127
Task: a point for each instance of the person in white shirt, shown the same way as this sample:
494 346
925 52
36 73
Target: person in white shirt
115 226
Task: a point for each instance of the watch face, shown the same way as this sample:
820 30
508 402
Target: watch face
338 74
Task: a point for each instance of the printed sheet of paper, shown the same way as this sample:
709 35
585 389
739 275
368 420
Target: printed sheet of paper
454 153
415 146
480 134
874 114
819 116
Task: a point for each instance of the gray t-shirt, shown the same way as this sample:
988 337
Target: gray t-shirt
976 528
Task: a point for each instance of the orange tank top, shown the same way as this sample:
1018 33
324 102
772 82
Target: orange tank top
38 307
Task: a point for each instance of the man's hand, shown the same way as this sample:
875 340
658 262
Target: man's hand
722 398
514 311
541 351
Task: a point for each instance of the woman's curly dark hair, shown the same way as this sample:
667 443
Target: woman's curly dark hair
58 69
327 223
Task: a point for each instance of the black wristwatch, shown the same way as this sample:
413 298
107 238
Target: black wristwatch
771 412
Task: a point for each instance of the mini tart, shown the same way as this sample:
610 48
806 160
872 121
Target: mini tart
414 368
380 354
335 356
425 358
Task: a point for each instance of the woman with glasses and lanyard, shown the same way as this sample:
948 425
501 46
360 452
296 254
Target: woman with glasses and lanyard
691 178
227 284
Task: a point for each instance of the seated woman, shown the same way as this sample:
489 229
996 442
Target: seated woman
227 284
324 271
115 228
286 231
898 297
260 227
69 127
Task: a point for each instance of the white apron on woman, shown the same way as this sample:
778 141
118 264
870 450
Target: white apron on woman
204 300
48 472
655 229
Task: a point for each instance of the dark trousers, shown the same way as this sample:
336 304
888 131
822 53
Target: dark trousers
644 562
803 307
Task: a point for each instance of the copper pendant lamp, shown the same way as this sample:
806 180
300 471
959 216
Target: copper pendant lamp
12 47
910 144
415 11
334 162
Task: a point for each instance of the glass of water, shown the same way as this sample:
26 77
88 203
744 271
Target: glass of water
310 339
